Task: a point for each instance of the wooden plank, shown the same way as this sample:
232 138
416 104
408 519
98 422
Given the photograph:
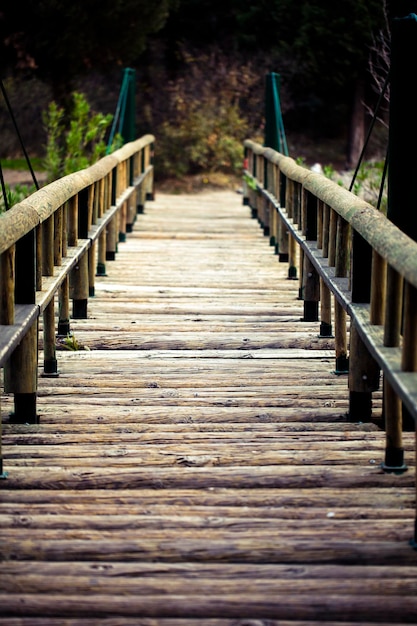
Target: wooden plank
188 476
261 606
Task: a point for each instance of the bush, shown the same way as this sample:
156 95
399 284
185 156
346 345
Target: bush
15 195
73 142
205 126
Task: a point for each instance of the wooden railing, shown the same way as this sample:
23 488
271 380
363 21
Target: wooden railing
341 249
52 245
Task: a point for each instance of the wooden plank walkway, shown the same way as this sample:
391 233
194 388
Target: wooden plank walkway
195 465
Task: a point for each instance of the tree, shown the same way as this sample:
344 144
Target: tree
320 47
58 40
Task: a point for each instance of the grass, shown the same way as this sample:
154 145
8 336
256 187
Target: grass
21 164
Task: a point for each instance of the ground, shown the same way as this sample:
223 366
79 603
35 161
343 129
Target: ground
14 177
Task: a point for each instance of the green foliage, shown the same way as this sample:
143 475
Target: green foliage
71 343
367 184
205 128
207 137
329 171
250 182
15 194
74 145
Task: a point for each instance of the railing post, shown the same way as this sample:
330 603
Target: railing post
394 459
50 363
394 451
311 282
21 371
49 256
21 378
363 378
326 330
63 309
364 371
78 228
112 228
340 339
7 272
101 255
292 197
79 288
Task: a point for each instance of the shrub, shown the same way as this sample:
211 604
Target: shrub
205 124
15 195
75 141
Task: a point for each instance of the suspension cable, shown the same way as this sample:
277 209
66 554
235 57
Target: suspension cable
374 118
6 99
3 189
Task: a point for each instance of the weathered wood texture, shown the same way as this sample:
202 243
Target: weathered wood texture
195 466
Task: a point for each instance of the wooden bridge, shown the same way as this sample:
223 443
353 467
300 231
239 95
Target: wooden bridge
215 435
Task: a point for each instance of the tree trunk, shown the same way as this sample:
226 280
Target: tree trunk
356 125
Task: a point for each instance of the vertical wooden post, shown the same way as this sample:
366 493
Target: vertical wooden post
283 244
292 258
273 188
394 451
301 273
92 269
64 312
378 289
79 288
122 222
332 238
291 204
340 339
325 231
150 191
311 291
72 224
39 257
101 255
131 212
311 282
7 273
361 269
58 226
140 199
111 239
7 279
409 349
363 378
3 474
342 248
48 247
65 210
50 363
363 369
24 360
326 330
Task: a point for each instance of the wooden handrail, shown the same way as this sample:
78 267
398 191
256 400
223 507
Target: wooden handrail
50 244
383 236
370 267
30 212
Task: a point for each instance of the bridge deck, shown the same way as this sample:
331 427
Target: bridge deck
195 466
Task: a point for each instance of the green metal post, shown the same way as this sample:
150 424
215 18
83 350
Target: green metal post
274 126
272 134
128 130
